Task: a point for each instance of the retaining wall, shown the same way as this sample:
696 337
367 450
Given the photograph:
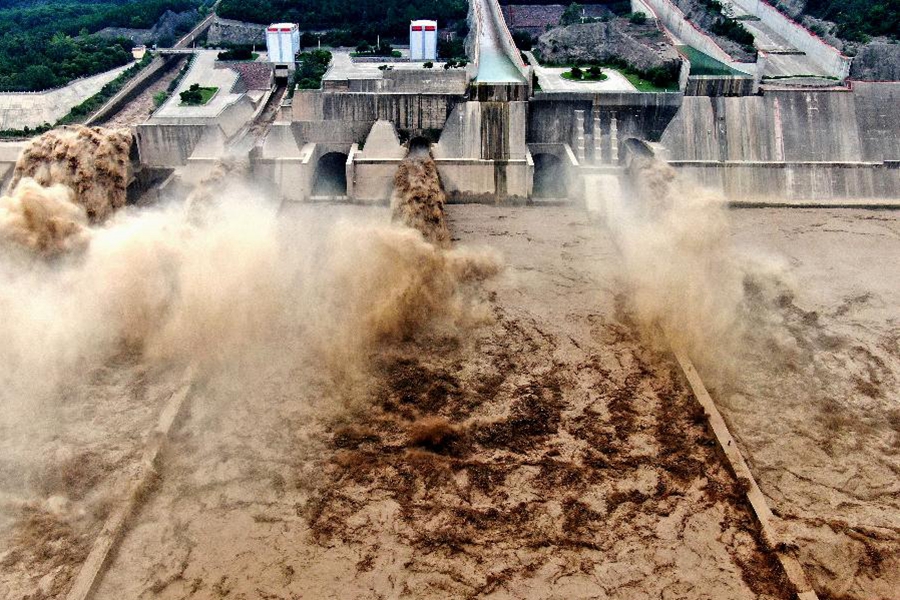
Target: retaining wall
719 85
144 79
161 145
32 109
236 32
406 111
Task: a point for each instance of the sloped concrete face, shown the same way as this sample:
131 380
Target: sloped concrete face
24 109
484 130
383 142
461 137
280 142
370 172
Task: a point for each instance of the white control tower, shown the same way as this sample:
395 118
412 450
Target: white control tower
423 40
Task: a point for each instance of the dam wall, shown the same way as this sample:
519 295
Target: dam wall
167 145
674 20
719 85
484 130
789 126
283 163
824 55
817 145
797 182
435 80
370 176
409 111
594 124
476 179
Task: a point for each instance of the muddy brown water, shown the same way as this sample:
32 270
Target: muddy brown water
547 451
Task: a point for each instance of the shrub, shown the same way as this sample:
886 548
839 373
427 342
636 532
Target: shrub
428 64
192 95
523 40
236 54
577 73
159 98
733 30
311 69
637 18
451 48
571 15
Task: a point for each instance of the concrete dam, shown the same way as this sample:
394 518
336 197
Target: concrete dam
494 136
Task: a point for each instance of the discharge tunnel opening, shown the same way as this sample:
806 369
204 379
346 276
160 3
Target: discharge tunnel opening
419 146
549 177
331 175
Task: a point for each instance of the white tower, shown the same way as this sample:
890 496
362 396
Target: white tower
423 40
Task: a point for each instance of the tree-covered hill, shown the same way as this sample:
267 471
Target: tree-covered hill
365 18
857 19
47 43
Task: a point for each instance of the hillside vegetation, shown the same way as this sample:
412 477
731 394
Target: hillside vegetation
858 19
46 44
364 18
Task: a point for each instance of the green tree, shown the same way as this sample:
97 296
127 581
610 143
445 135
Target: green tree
39 77
192 95
637 18
571 15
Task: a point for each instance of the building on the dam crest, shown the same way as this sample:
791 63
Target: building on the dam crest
789 126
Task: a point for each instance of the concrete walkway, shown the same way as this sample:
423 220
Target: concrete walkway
203 72
550 80
23 109
343 68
